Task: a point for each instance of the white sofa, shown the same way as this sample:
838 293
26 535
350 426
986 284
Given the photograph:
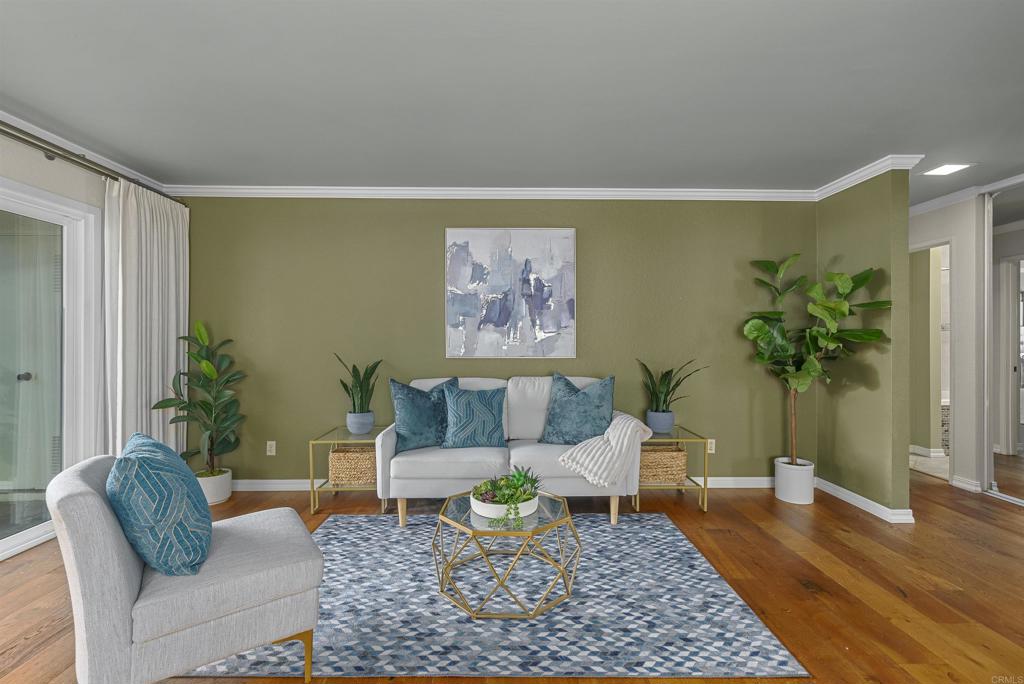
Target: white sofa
433 472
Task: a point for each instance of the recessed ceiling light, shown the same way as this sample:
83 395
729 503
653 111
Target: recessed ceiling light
946 169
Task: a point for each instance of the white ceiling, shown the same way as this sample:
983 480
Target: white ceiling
787 94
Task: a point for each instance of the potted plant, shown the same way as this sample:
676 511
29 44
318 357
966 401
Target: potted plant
661 388
508 497
360 390
797 356
210 404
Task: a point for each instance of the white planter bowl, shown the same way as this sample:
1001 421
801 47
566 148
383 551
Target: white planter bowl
217 488
794 483
489 510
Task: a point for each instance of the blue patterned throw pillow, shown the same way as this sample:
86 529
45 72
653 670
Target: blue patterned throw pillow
421 417
475 418
575 414
161 506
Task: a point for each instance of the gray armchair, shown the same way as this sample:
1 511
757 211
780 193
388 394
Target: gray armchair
133 625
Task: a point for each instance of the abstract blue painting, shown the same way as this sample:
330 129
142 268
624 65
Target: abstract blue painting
510 292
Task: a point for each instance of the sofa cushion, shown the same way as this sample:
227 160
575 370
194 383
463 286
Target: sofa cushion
437 463
421 416
528 398
470 384
475 418
254 559
160 505
576 414
542 458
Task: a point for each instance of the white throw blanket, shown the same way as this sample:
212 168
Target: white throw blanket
603 460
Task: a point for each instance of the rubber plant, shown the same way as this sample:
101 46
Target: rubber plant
207 400
798 356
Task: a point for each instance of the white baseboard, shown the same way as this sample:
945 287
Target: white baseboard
272 485
738 482
964 483
926 452
890 515
26 539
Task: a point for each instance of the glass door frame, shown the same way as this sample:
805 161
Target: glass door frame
83 423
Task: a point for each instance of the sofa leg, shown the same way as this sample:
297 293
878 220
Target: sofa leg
307 647
615 510
402 508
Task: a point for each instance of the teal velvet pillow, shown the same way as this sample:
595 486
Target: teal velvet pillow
475 418
161 507
421 417
575 414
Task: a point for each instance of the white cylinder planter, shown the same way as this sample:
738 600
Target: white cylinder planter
794 483
217 488
490 510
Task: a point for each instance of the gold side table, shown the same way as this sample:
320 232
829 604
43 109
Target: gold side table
355 445
675 444
464 540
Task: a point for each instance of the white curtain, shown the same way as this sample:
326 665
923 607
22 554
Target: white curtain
145 309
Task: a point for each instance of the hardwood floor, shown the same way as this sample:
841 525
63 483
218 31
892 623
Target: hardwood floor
855 599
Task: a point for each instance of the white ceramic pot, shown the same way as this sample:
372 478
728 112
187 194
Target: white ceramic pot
490 510
794 483
216 488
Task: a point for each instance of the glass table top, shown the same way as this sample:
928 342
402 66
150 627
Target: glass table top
340 433
678 434
550 510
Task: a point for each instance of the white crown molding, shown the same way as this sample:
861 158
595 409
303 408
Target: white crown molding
889 515
966 194
1010 227
356 192
78 149
891 162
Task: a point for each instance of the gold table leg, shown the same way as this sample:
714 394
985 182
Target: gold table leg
312 487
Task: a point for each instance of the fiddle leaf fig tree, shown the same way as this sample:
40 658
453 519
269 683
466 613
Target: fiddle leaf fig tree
208 400
798 356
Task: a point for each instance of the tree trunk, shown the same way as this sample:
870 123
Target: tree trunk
792 426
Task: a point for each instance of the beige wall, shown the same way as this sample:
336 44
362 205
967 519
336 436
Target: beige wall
26 165
925 410
292 280
863 420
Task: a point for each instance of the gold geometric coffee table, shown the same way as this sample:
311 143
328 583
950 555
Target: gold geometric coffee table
477 564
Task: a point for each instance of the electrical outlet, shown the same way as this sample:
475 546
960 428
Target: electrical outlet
271 448
711 446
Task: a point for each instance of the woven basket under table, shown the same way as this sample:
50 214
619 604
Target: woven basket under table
662 464
352 467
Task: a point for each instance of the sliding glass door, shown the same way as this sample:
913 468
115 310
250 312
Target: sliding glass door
31 314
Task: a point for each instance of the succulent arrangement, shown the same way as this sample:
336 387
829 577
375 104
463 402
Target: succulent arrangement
510 490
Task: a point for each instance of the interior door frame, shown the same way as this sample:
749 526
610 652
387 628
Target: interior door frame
82 418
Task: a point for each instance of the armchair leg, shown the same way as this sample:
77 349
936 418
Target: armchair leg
307 646
402 508
615 510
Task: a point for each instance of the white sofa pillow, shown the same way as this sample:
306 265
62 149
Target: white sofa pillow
427 384
527 403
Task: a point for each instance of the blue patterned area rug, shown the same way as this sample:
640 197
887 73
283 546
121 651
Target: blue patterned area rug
645 603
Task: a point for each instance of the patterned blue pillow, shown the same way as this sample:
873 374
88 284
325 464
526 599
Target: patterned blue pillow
475 418
421 417
575 414
161 506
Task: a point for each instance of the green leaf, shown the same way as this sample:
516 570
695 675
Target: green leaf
166 404
877 304
784 266
824 314
795 285
765 283
774 315
769 267
816 292
861 279
842 282
755 329
208 369
201 334
861 334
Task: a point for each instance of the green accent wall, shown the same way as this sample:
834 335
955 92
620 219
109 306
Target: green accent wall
863 416
293 280
925 408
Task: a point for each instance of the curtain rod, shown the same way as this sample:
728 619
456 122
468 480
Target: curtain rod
52 151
